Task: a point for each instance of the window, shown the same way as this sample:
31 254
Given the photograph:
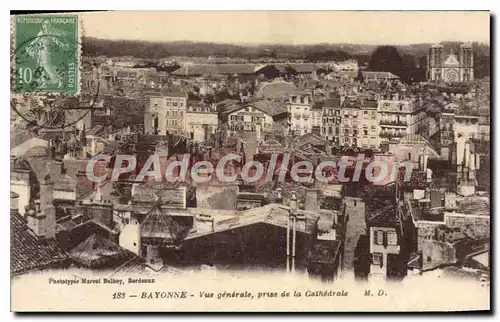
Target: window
392 238
377 259
365 132
302 100
174 104
378 237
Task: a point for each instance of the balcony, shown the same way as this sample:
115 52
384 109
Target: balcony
393 123
386 134
297 116
305 115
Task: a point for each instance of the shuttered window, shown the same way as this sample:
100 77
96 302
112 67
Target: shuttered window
378 237
392 238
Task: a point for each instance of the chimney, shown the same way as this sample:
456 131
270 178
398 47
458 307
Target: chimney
37 206
153 258
467 155
435 198
83 184
301 222
46 192
312 203
62 168
14 201
329 150
450 200
425 160
472 163
279 197
258 133
293 201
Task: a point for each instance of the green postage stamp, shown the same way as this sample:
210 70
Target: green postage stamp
46 54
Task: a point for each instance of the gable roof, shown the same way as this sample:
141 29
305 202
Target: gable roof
275 89
98 252
311 138
451 60
215 69
258 105
159 224
271 214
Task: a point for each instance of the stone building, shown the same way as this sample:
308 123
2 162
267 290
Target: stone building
450 68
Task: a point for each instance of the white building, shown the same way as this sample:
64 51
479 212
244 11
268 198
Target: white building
166 113
247 117
299 113
398 118
201 122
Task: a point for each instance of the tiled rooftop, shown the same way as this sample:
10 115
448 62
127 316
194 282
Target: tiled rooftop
28 252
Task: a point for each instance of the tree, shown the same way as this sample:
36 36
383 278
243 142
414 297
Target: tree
359 77
386 59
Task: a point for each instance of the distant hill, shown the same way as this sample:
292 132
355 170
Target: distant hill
313 53
146 49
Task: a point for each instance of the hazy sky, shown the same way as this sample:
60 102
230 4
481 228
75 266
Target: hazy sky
290 27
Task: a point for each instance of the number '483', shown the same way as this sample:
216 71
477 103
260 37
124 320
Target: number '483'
118 295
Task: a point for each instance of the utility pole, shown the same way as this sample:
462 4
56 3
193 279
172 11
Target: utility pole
288 244
292 216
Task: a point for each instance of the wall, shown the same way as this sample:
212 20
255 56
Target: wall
381 249
249 116
64 195
436 253
130 238
20 184
171 113
356 226
478 224
196 120
426 230
217 196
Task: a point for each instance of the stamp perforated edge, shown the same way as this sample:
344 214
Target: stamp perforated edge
80 32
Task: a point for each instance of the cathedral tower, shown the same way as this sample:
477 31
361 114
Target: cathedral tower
466 62
435 62
450 69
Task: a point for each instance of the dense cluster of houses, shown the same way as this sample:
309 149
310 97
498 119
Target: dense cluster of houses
310 112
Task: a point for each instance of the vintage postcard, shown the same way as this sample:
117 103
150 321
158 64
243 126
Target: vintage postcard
250 161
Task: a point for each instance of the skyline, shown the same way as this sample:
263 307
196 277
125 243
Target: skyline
290 27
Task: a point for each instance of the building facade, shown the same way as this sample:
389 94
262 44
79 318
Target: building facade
201 122
351 123
398 118
331 119
317 119
299 113
247 117
450 68
166 113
